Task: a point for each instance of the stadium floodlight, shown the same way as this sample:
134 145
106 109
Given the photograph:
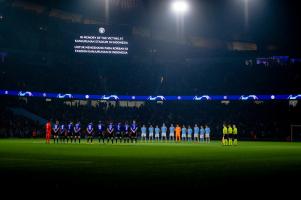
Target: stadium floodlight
180 7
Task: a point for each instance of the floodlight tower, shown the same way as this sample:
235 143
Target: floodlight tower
180 8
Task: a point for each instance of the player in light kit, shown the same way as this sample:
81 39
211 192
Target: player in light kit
101 132
196 131
178 133
134 129
90 130
225 135
230 132
189 131
151 133
126 132
163 132
62 133
207 134
171 133
143 133
70 131
56 129
110 131
202 134
235 134
118 133
77 132
157 134
184 133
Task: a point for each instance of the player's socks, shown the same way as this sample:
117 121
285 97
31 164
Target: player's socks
235 141
78 140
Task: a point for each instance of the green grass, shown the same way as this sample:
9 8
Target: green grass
147 165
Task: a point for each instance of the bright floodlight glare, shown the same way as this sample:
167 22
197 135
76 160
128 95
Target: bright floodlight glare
180 6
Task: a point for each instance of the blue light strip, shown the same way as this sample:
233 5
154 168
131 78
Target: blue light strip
150 98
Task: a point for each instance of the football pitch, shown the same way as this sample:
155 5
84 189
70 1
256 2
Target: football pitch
32 163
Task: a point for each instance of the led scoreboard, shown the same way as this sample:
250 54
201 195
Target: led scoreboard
102 40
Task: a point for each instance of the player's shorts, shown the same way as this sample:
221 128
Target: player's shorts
69 134
118 134
195 135
143 134
77 134
151 135
125 134
226 136
230 136
163 135
171 135
207 135
183 135
55 133
234 136
133 134
202 136
157 135
189 135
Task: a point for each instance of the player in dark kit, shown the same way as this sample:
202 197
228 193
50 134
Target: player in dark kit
101 132
118 132
126 132
56 129
62 133
134 129
77 132
90 130
70 131
110 131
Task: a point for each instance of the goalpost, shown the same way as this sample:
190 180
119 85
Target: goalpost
297 129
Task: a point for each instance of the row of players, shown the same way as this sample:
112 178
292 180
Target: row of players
126 132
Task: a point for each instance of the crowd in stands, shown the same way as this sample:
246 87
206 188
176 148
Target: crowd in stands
17 126
41 58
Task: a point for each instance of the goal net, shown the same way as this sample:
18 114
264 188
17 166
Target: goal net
295 132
